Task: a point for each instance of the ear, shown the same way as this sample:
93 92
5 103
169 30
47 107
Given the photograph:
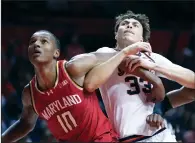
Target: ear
116 35
56 53
141 40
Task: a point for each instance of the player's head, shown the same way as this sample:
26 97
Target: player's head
131 28
43 47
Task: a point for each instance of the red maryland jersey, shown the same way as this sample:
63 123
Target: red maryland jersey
71 114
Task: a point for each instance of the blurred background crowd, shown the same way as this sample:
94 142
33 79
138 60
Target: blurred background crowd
85 26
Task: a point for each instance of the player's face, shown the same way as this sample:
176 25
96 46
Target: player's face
130 31
41 48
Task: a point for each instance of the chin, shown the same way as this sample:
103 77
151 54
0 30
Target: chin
37 61
129 40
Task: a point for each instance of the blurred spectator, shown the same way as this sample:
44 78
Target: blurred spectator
189 136
74 48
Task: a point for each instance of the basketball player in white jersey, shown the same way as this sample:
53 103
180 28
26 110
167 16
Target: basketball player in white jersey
124 95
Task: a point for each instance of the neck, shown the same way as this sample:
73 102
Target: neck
46 75
122 45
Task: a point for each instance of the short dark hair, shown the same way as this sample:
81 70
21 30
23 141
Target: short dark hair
142 18
57 42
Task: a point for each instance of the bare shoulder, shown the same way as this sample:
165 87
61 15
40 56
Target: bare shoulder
26 97
74 61
80 56
105 50
160 59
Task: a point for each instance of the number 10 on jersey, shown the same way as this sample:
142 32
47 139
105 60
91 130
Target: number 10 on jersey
67 121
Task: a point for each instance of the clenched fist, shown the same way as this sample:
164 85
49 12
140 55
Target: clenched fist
155 120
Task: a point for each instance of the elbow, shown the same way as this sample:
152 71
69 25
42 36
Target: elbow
28 125
73 68
31 127
89 85
191 85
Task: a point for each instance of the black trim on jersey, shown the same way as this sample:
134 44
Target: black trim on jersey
148 56
140 137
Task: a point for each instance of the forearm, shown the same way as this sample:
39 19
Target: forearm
99 74
150 77
177 73
17 131
181 96
158 90
174 99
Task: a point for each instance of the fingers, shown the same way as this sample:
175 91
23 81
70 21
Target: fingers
155 120
138 64
161 121
129 59
132 63
145 47
158 120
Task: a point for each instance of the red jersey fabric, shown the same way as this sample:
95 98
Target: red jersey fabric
71 113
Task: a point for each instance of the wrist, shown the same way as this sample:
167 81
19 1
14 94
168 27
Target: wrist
153 66
124 52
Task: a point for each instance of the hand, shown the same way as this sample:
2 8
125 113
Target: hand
155 120
133 61
137 47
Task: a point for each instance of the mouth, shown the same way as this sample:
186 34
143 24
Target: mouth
36 52
127 31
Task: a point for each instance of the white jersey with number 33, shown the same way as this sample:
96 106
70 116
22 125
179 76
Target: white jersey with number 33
124 97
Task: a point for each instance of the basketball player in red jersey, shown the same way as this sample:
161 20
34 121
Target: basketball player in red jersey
55 94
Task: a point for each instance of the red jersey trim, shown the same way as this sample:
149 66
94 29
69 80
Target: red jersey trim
32 98
72 81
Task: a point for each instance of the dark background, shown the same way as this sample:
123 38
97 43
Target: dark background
84 26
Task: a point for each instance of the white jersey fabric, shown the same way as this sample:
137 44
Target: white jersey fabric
124 97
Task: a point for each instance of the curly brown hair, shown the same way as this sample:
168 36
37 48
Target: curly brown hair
142 18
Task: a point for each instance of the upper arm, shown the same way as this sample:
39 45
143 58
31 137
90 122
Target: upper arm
28 114
79 65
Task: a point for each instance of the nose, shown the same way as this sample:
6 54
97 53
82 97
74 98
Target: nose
130 25
37 44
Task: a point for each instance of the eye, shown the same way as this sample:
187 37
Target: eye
43 41
136 25
124 23
32 41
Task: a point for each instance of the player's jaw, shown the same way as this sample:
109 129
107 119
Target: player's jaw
131 36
